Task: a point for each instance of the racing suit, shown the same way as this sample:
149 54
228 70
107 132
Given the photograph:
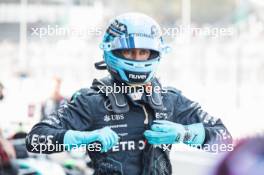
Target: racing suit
91 109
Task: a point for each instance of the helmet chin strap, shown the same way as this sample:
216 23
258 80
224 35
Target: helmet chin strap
138 94
139 84
101 65
119 101
136 84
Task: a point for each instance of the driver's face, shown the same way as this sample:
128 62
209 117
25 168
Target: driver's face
136 54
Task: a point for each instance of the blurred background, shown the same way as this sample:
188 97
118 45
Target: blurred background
48 48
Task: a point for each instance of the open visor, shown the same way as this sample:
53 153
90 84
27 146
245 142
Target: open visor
133 41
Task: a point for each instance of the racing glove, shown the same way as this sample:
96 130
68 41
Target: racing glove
166 132
106 136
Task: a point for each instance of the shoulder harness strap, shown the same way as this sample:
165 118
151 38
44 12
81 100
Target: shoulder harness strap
118 101
155 98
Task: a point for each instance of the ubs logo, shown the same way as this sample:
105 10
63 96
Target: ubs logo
107 118
113 117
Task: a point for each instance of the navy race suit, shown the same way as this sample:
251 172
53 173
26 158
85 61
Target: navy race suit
90 109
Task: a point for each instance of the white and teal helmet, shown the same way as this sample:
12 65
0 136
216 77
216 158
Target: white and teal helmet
128 31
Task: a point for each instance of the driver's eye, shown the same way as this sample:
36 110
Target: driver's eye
137 54
126 53
144 52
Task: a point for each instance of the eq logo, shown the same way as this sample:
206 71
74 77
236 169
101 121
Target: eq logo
161 115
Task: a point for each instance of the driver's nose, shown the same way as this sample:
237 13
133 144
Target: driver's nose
137 55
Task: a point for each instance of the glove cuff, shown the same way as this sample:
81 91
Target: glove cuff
194 134
73 138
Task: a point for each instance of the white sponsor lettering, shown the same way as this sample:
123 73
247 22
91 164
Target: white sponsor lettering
140 77
119 126
114 117
161 115
141 145
129 145
41 139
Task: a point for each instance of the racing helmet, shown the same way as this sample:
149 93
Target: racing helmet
132 31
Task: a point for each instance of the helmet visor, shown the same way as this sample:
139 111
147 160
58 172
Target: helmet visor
133 41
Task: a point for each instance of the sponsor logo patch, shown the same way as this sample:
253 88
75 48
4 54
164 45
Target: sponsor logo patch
114 117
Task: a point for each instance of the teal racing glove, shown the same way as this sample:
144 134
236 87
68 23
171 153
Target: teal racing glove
166 132
106 136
